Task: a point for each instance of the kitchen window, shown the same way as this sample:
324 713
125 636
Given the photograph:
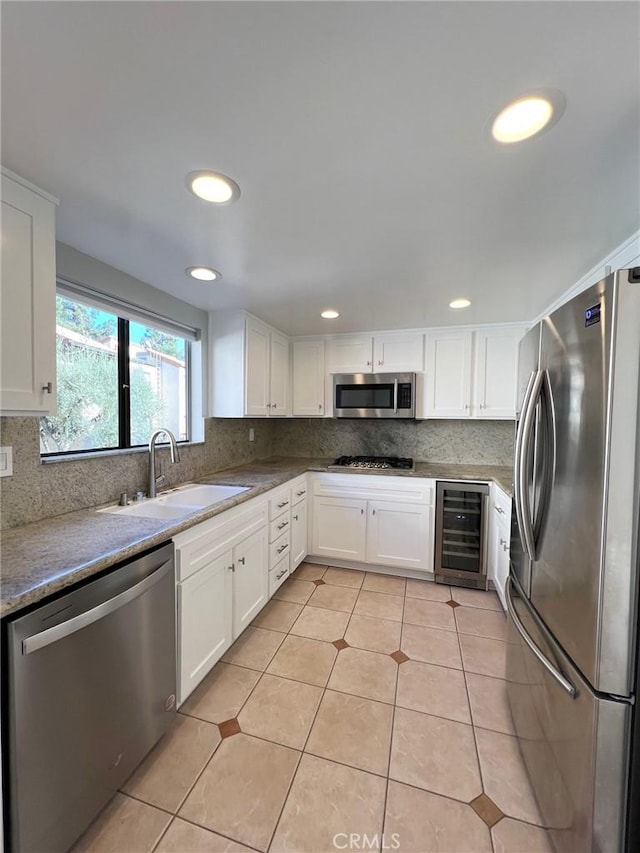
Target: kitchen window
121 374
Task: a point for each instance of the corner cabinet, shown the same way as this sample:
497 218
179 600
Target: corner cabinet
27 302
471 374
249 367
499 540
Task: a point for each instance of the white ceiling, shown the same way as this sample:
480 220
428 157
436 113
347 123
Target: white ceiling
357 134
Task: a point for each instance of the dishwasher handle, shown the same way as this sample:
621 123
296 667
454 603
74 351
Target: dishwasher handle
76 623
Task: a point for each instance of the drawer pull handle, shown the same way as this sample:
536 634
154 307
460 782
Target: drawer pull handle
48 388
282 525
295 517
232 567
300 494
284 503
498 509
282 573
282 548
503 542
241 560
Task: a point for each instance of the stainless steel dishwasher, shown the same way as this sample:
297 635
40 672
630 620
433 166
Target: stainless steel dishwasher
91 687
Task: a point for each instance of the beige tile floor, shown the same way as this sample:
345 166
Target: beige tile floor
356 705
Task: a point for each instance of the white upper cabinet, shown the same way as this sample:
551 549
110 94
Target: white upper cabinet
351 354
471 374
256 369
27 300
399 352
308 378
447 392
249 367
279 378
387 352
496 369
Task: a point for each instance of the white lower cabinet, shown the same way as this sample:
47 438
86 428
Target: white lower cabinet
250 580
339 528
499 540
398 534
222 574
383 521
205 621
298 534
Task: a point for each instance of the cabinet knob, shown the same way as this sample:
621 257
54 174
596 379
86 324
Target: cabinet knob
466 407
275 405
368 364
48 388
319 407
361 512
373 512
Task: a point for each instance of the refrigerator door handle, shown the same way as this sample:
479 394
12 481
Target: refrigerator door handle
523 446
544 660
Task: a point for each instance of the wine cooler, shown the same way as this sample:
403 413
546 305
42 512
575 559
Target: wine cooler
461 537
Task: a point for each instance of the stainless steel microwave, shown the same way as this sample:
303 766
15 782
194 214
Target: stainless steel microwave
374 395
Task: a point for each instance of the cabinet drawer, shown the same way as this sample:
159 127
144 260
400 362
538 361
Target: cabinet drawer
298 493
279 504
371 487
278 526
279 548
278 575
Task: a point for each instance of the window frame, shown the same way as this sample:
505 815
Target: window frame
123 397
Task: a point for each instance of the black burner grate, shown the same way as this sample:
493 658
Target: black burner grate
380 462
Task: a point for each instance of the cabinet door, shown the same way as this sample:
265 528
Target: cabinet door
339 528
351 354
308 378
498 555
279 379
257 358
27 302
496 373
250 579
204 622
298 534
448 374
398 534
397 353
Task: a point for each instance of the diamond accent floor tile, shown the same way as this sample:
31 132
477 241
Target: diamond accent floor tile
486 809
399 657
340 644
229 728
452 603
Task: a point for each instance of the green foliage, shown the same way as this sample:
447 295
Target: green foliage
86 321
161 342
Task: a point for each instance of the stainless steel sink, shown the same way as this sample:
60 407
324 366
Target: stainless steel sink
178 502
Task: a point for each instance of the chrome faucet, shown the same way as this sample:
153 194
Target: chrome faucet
175 457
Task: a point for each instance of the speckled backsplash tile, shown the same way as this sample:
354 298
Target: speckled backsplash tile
460 442
38 490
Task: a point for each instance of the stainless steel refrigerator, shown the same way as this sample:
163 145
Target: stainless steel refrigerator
572 594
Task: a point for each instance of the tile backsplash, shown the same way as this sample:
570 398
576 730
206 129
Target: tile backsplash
38 490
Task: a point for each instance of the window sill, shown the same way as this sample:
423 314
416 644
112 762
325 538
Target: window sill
102 454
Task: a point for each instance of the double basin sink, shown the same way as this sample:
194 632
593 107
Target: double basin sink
178 503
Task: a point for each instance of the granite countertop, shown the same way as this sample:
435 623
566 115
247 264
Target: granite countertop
44 557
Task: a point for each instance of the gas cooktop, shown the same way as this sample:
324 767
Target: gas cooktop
377 462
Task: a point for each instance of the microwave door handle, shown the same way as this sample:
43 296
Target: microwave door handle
395 396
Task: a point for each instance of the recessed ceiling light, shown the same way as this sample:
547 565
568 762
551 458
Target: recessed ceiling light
213 187
460 303
203 273
528 115
330 314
